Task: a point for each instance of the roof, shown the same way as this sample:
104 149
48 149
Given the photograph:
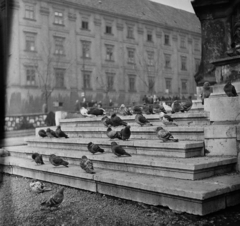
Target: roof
147 10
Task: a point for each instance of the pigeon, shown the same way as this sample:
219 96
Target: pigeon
84 111
230 90
113 134
57 161
87 165
162 109
38 186
123 110
106 121
118 150
38 159
206 92
94 148
166 107
34 155
167 119
4 153
42 133
141 120
117 121
96 111
50 133
187 105
55 200
176 106
137 110
60 133
125 133
165 135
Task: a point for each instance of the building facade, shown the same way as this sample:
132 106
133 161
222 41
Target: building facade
108 49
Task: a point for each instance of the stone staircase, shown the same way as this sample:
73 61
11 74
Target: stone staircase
176 175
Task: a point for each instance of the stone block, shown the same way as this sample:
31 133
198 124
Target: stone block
223 108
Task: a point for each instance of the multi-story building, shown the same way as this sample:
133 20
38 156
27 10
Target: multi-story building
118 49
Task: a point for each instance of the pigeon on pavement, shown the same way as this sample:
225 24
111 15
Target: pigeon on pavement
167 119
106 121
38 159
38 186
118 150
206 92
165 135
113 134
60 133
117 121
55 200
125 133
57 161
50 133
87 165
176 106
42 133
34 155
94 148
141 120
187 104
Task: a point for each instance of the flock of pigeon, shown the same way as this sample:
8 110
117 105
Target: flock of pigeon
124 134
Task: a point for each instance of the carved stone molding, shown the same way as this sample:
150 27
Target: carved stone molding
97 22
119 26
175 38
72 16
140 30
44 11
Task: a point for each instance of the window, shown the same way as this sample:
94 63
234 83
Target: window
131 55
183 63
84 25
182 42
168 85
30 76
197 64
149 37
58 19
59 76
150 55
151 83
196 45
30 42
132 80
167 60
167 40
184 86
108 30
110 81
87 80
130 32
29 12
86 49
109 53
59 45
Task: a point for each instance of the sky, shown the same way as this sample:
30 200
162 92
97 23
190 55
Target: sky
180 4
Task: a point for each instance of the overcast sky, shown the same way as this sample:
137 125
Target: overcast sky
181 4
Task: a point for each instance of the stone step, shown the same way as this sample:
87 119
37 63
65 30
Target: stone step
191 119
200 197
137 132
183 149
183 168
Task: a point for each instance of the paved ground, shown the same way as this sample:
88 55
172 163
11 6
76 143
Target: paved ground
15 141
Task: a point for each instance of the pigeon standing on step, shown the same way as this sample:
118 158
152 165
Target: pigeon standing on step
60 133
96 111
50 133
165 135
187 104
38 187
117 121
106 121
38 159
34 155
229 89
113 134
87 165
166 119
55 200
206 92
176 106
125 133
141 120
118 150
57 161
94 148
4 153
42 133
